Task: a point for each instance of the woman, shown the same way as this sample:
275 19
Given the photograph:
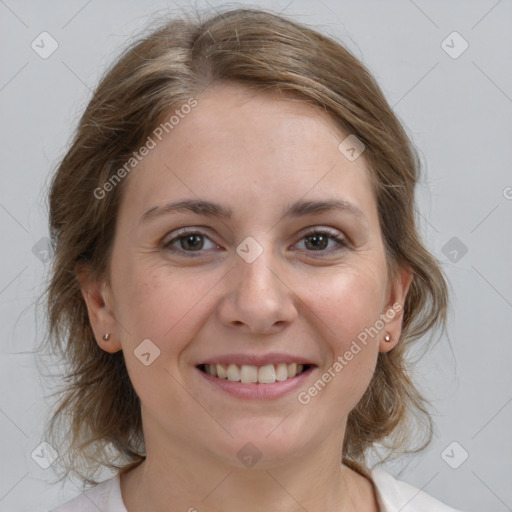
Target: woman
238 277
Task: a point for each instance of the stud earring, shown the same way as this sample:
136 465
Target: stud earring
387 337
106 336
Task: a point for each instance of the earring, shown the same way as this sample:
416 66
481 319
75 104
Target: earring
106 336
387 337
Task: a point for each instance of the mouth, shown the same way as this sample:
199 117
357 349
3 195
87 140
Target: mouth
252 374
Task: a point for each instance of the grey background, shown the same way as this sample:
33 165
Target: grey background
457 111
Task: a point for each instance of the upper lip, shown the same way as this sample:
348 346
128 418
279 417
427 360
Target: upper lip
255 359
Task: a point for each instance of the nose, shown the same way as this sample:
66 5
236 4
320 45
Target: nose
257 298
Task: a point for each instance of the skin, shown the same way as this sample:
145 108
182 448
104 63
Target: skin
256 154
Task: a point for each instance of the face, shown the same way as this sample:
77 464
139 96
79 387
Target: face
286 265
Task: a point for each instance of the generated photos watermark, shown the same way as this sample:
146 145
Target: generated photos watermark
304 397
151 143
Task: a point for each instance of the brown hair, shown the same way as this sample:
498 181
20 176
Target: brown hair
98 408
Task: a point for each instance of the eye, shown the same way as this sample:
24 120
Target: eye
319 240
189 242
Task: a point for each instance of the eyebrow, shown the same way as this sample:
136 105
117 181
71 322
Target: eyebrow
209 209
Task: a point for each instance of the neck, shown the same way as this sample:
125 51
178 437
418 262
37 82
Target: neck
313 481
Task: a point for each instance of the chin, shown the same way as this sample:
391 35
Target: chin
260 447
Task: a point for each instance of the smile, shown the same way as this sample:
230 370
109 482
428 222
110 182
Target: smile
250 374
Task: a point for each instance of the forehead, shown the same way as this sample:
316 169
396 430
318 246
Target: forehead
257 145
246 120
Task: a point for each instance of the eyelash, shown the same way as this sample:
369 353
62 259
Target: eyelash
324 231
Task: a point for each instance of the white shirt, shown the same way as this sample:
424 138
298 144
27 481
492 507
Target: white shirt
392 495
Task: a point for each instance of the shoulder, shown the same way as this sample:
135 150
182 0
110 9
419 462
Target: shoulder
395 495
105 496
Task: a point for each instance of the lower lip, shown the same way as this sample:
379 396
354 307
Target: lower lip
255 390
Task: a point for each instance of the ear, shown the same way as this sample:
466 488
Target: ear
97 297
393 313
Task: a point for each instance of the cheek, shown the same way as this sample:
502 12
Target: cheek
155 301
162 306
348 308
348 302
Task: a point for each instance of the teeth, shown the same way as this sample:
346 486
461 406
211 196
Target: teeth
233 373
282 371
221 372
267 374
249 374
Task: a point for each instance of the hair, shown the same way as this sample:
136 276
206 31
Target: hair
98 412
